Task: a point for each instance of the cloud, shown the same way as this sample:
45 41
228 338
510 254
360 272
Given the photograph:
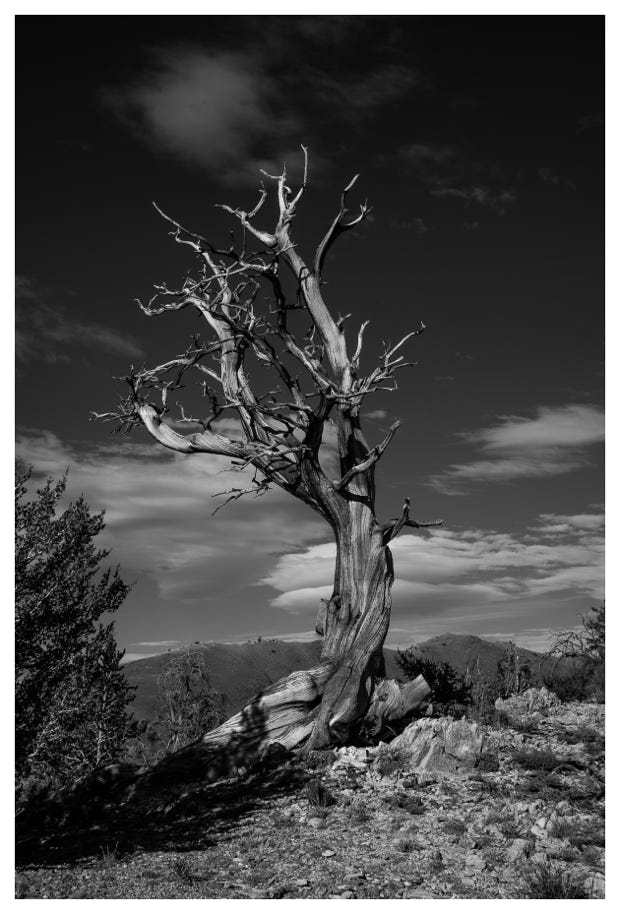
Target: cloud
555 442
45 331
589 121
417 225
548 176
158 508
551 177
355 95
154 643
420 155
468 569
495 200
233 112
207 108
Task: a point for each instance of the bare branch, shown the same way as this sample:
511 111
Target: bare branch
393 527
258 488
366 464
338 227
355 361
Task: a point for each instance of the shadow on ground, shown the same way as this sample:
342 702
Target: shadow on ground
186 802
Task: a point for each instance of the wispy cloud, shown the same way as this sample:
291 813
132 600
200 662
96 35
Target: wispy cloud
468 569
549 176
207 108
48 333
556 441
417 225
158 506
451 171
233 111
495 200
589 122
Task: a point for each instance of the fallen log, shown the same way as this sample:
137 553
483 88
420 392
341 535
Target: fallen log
392 701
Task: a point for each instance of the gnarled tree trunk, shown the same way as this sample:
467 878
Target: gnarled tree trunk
281 437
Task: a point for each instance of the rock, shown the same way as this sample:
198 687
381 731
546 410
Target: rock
532 702
539 858
548 825
595 885
328 853
559 847
518 850
352 757
301 882
475 862
488 761
441 744
315 822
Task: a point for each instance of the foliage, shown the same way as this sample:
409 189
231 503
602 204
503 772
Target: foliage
514 673
473 694
587 643
390 759
71 695
548 881
536 760
449 691
318 795
189 706
585 647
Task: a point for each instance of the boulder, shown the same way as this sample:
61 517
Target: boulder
351 757
529 702
441 744
518 850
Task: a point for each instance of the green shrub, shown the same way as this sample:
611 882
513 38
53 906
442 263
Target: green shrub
536 760
548 881
449 693
71 695
586 648
318 795
390 760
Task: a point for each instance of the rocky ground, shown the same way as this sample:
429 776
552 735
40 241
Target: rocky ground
513 810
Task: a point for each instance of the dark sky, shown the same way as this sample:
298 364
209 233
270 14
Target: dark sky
479 141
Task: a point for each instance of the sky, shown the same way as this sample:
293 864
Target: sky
480 146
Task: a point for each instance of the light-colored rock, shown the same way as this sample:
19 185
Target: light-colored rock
595 885
518 850
475 862
548 825
441 744
533 702
539 858
352 757
315 822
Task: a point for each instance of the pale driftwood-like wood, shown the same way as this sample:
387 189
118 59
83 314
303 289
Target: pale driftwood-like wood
391 701
314 380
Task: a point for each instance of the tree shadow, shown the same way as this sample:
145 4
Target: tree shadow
188 801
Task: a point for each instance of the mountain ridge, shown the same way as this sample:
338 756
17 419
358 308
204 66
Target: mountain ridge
240 670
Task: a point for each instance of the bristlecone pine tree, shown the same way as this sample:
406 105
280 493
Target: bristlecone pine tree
317 378
71 694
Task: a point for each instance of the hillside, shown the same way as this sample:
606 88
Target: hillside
239 671
463 650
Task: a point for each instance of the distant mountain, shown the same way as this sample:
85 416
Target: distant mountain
237 671
461 651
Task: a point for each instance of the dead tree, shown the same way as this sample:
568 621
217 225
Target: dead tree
252 296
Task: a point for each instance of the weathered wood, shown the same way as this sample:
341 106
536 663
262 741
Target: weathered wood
280 438
392 701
